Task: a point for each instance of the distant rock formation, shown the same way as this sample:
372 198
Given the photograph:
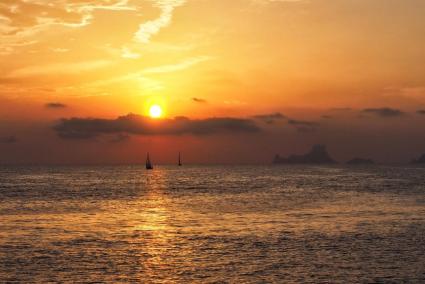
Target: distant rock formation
360 161
420 160
317 155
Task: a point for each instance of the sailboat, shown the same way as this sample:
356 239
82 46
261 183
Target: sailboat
148 163
180 161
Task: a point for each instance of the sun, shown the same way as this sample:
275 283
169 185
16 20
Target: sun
155 111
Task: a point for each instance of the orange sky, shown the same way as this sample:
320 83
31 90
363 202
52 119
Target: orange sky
320 63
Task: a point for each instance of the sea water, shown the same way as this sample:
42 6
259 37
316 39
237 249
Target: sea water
212 224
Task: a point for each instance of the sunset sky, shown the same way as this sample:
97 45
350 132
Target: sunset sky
237 81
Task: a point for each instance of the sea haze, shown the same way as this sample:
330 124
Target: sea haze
238 224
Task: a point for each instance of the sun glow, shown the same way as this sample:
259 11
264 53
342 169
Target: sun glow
155 111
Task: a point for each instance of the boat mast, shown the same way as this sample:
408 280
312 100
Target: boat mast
148 163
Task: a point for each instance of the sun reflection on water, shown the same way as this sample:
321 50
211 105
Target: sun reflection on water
152 224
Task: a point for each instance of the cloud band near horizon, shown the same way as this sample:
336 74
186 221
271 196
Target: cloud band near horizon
88 128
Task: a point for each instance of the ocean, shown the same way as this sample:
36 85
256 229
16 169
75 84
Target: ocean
212 224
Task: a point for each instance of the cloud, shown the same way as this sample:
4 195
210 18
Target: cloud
23 20
148 84
269 118
150 28
20 15
421 111
141 77
55 105
303 126
129 54
176 67
20 25
300 125
7 48
199 100
58 68
8 140
384 112
60 50
132 124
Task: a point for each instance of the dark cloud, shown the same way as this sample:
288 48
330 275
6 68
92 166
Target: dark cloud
302 123
421 111
55 105
269 118
132 124
384 112
8 140
199 100
303 126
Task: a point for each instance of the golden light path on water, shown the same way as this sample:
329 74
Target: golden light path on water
206 224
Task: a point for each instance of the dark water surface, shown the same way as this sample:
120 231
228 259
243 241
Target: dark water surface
212 224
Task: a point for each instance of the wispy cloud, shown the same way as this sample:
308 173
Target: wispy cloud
178 66
64 68
129 54
384 112
7 48
142 77
150 28
60 50
148 84
55 105
270 118
21 21
199 100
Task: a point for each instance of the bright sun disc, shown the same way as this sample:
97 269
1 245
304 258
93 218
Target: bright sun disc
155 111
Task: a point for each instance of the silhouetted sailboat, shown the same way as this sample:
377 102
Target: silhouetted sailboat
180 161
148 163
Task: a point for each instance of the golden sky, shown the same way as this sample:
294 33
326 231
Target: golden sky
323 65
